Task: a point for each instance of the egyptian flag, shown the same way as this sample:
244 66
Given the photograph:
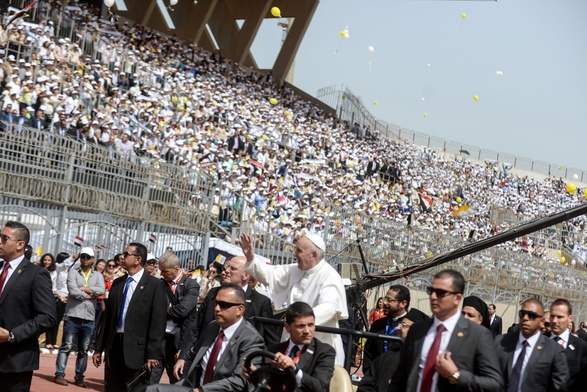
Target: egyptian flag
19 14
425 202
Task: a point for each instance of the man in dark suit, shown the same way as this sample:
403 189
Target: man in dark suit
575 349
528 360
256 304
494 321
447 351
395 304
182 297
27 309
377 378
214 363
311 360
132 326
236 142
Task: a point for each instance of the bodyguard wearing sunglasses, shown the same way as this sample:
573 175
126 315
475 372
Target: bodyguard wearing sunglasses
214 363
133 325
27 309
447 352
530 361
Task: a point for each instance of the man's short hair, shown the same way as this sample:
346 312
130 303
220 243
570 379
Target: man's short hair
534 301
169 258
141 251
239 292
492 306
564 302
402 293
21 232
296 310
458 281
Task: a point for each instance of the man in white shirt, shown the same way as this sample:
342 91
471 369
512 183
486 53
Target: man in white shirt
311 280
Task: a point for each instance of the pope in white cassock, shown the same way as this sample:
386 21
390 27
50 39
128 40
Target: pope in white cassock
311 280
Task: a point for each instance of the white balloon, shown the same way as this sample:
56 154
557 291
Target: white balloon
172 2
108 3
575 176
499 73
371 49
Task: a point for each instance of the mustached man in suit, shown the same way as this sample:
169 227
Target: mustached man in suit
132 326
448 352
530 361
575 349
27 309
311 360
214 363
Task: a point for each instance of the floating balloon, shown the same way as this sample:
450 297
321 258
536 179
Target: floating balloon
571 188
275 11
371 49
575 176
108 3
563 260
374 102
476 98
558 252
273 101
425 114
463 16
429 65
573 262
344 33
498 73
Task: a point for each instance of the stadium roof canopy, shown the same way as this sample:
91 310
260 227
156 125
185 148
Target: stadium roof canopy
214 24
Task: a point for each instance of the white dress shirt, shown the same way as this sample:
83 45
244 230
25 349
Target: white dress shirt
228 332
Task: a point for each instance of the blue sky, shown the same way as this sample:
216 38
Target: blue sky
428 59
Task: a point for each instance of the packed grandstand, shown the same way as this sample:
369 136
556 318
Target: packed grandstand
279 164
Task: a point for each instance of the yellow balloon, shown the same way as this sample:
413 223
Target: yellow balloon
476 98
425 114
571 188
275 11
185 99
273 101
374 102
175 99
558 252
342 33
459 199
464 16
563 260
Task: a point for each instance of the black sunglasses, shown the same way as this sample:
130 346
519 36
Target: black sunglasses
111 265
4 238
85 256
439 292
224 304
531 315
126 254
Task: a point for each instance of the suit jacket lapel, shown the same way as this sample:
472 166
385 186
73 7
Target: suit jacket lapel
511 351
417 348
248 303
138 291
17 273
536 352
210 335
307 355
228 350
461 330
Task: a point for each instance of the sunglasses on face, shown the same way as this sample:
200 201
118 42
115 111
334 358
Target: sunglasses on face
111 265
4 238
126 254
531 315
224 304
439 292
85 256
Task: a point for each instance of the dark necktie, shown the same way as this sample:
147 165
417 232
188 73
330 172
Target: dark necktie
294 351
121 315
209 374
3 276
429 371
516 376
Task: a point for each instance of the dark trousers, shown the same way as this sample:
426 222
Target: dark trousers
169 350
16 382
119 378
51 334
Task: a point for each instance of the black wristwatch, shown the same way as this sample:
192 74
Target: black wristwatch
11 338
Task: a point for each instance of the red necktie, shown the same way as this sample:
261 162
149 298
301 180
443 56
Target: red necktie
3 276
209 374
429 371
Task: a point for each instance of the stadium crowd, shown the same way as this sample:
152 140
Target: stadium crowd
278 162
